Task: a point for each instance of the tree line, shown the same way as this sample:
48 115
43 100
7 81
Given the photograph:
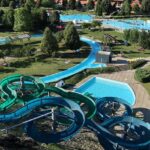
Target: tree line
105 7
69 37
26 19
140 37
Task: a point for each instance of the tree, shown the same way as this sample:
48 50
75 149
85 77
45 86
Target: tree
23 20
37 23
126 35
43 18
134 35
143 39
146 6
72 4
12 4
71 37
98 9
8 18
106 6
64 3
55 17
90 4
136 9
48 3
49 42
126 8
31 3
78 5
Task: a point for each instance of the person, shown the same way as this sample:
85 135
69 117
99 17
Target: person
61 83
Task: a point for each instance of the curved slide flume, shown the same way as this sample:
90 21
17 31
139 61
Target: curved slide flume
30 127
85 64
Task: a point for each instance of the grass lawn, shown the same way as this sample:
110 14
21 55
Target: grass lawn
63 60
129 51
46 67
147 85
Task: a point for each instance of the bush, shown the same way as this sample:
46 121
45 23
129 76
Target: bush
19 64
143 75
86 25
137 64
59 36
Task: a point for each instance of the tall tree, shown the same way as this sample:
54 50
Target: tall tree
98 9
49 42
126 8
72 4
55 17
48 3
136 9
146 6
23 20
90 4
71 37
64 3
106 6
78 5
143 39
8 18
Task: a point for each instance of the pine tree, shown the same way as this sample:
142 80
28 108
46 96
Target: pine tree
71 37
136 9
49 43
72 4
143 39
90 4
78 5
106 6
8 18
98 10
126 8
23 20
146 6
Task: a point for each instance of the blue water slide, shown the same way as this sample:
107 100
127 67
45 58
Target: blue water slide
85 64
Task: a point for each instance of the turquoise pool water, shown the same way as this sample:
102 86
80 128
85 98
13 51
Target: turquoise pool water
77 17
100 87
127 24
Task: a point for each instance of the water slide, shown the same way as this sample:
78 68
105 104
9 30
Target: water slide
87 63
13 89
78 109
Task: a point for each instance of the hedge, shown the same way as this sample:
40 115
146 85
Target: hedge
143 75
137 64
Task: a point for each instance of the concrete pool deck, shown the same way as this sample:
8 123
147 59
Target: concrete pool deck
142 97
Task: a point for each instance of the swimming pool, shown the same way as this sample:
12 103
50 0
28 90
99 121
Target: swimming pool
127 24
100 87
77 18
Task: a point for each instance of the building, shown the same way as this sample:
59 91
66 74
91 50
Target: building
104 57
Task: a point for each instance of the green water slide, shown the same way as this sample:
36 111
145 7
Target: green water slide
17 88
88 105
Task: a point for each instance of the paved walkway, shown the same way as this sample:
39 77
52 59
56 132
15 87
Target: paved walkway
142 96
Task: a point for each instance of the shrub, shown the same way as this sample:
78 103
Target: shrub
86 25
143 75
19 64
59 36
137 64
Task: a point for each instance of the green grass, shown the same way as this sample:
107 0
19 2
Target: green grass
128 51
147 87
